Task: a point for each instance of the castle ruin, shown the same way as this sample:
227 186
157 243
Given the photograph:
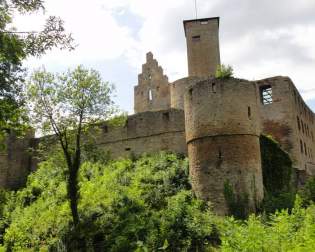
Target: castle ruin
215 122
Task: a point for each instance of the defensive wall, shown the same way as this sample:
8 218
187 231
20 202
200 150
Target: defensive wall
147 132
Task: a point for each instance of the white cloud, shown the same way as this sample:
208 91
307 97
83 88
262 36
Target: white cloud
258 38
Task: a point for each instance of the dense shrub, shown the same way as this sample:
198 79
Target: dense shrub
124 205
307 193
284 232
141 205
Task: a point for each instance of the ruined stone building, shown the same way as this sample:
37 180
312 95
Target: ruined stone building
216 122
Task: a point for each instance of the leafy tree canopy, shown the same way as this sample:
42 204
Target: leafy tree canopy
66 105
15 46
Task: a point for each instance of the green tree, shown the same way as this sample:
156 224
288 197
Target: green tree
16 46
66 104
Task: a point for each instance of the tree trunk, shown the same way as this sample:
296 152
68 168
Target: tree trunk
73 194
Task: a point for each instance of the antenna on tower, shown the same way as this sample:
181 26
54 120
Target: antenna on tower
196 9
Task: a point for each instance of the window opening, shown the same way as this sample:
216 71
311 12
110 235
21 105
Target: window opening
166 116
214 88
220 154
305 149
190 93
298 123
249 112
196 38
105 128
266 95
150 95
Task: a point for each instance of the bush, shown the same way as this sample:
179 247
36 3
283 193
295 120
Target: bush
124 206
224 72
284 232
307 193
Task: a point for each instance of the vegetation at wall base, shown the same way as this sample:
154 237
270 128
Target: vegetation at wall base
237 204
145 204
277 176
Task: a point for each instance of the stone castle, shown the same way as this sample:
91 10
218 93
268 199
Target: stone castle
216 122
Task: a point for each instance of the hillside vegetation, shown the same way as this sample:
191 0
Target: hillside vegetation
140 205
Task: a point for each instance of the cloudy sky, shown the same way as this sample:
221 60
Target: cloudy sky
258 38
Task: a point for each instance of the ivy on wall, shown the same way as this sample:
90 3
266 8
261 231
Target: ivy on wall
277 176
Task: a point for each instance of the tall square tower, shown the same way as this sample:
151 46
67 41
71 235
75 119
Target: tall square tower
203 53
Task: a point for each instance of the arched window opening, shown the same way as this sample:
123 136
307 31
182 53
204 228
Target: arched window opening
150 95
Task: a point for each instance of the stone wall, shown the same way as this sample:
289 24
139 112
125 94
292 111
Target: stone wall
148 132
290 121
152 92
178 88
15 161
222 134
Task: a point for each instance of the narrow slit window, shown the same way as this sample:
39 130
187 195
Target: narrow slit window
214 88
298 123
150 95
305 149
220 154
301 145
266 95
196 38
204 22
249 112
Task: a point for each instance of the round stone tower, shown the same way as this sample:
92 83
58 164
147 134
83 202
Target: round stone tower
222 134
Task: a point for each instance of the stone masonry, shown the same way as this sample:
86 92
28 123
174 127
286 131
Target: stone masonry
217 123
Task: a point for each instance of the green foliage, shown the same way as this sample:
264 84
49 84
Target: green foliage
224 72
124 206
58 100
16 46
284 232
142 205
277 170
237 204
118 120
66 105
307 193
